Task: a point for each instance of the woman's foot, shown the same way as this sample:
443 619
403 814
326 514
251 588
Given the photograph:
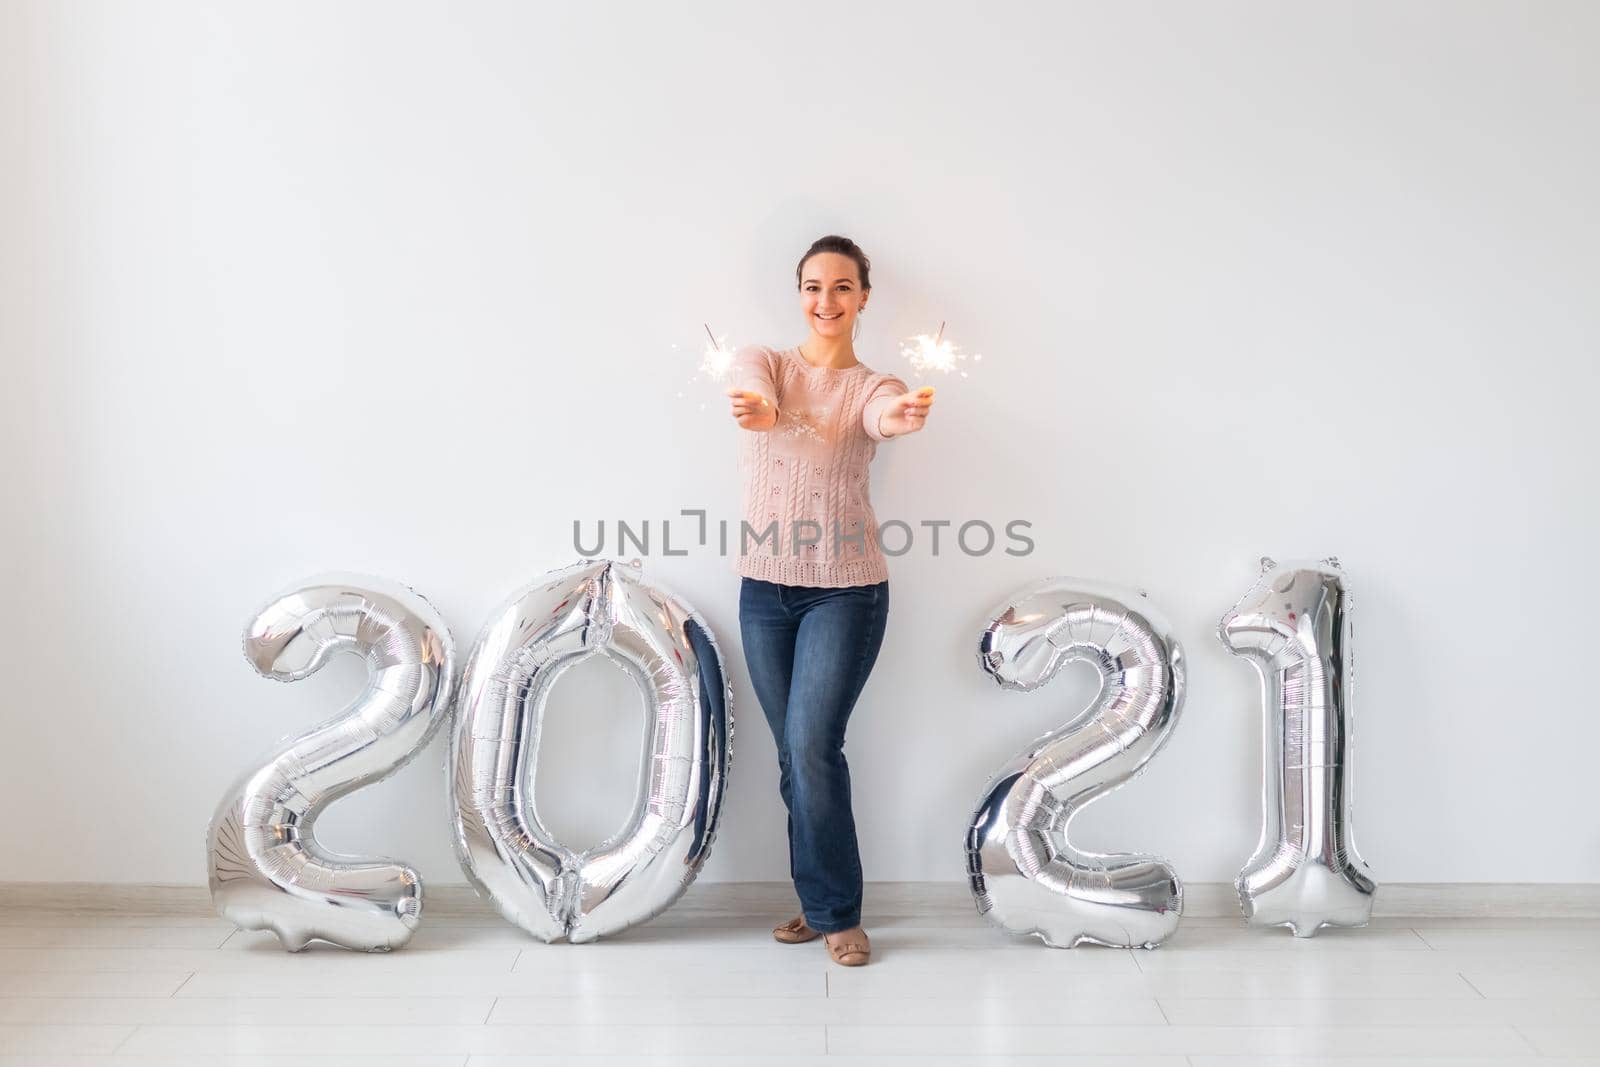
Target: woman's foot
849 947
794 932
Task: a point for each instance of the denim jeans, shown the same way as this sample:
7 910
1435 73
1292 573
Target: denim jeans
810 650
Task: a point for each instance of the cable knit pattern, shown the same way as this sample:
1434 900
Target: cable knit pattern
811 467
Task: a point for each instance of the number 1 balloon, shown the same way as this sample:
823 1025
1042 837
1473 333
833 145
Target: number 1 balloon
266 870
1293 626
590 608
1024 874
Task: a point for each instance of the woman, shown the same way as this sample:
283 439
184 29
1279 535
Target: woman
814 594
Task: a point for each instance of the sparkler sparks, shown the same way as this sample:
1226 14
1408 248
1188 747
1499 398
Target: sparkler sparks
716 365
717 360
933 353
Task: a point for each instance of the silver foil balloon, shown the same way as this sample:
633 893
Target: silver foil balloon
590 608
1024 873
266 869
1293 626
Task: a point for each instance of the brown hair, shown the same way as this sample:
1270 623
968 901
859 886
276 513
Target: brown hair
844 247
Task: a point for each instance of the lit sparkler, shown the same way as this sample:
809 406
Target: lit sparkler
717 360
933 353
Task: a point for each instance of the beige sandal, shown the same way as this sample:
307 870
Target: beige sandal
794 932
851 953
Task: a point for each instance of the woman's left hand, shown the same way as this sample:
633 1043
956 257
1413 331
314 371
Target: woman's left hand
907 413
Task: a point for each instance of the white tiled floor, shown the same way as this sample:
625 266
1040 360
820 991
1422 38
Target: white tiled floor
943 987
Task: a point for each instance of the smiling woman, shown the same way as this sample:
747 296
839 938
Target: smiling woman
812 610
832 283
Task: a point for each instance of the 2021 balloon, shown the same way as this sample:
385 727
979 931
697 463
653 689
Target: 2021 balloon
1293 627
1024 873
266 870
587 609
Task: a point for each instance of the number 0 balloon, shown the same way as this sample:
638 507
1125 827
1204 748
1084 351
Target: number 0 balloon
589 609
1293 626
1024 873
267 872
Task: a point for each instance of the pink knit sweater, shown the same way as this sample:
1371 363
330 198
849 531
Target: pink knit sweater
805 480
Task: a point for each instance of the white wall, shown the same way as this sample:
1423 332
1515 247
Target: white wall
394 288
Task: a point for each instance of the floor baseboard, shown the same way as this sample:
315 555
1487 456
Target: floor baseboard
1545 900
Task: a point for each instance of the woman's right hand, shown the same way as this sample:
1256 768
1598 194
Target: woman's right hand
753 411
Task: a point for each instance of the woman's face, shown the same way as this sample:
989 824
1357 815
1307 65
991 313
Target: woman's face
831 294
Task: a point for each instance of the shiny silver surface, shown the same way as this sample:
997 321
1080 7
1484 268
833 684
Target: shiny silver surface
1293 627
266 870
587 609
1025 875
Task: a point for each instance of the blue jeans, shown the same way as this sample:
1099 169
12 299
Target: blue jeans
810 650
